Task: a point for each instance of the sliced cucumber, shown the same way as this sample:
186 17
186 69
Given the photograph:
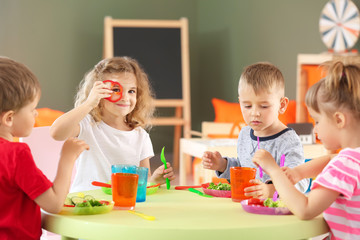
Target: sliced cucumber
76 200
89 197
68 201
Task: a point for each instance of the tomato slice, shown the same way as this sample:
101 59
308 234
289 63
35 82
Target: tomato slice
116 88
255 201
104 202
65 205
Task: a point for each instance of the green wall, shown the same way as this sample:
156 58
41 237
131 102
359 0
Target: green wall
61 40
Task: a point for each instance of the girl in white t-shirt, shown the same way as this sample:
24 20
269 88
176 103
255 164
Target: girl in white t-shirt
334 104
113 106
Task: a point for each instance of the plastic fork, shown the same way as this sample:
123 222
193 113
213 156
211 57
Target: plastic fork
260 168
282 162
163 160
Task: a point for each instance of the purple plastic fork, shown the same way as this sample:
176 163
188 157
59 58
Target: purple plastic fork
282 162
260 168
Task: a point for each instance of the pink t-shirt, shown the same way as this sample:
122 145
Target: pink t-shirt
20 183
342 174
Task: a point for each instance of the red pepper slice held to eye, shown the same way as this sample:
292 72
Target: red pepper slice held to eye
116 88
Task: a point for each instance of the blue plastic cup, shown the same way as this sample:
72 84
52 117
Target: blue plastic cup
123 168
142 183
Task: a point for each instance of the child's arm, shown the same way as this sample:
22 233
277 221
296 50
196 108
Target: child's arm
67 125
309 169
53 199
214 161
300 205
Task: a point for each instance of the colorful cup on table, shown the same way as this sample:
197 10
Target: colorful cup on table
142 183
123 168
124 188
240 179
142 172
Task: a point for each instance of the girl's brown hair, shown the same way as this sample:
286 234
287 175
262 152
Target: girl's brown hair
339 90
18 85
144 109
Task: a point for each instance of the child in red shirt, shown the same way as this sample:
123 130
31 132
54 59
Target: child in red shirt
23 187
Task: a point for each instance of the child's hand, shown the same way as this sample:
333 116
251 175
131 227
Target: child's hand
98 91
264 159
292 174
260 190
214 161
160 174
72 148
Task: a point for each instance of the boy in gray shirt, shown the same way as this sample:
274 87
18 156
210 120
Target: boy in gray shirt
261 97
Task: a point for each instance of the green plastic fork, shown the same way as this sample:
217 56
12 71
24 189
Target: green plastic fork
162 157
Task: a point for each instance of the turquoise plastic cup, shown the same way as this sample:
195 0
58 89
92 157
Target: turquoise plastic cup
123 168
142 183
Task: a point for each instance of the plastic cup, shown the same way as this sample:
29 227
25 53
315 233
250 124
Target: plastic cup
123 168
142 183
143 176
124 188
239 179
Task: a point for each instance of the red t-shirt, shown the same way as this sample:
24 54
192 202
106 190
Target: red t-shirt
20 183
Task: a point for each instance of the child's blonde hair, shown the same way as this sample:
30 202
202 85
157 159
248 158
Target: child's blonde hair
18 85
340 89
144 109
262 76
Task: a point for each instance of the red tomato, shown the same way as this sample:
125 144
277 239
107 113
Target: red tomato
69 205
104 202
255 201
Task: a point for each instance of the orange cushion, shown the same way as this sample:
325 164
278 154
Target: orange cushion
226 111
231 112
290 114
46 117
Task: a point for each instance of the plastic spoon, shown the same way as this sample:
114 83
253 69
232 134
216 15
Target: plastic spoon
282 162
260 168
155 185
144 216
162 157
101 184
186 187
199 193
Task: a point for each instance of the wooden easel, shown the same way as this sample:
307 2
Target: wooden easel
182 116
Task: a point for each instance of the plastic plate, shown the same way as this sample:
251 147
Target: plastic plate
152 190
88 210
258 209
215 193
106 190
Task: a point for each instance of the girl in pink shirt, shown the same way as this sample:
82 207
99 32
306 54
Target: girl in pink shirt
334 104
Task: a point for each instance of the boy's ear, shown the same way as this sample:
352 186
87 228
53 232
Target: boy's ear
7 118
339 119
284 102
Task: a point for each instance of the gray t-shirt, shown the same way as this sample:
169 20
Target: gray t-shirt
285 142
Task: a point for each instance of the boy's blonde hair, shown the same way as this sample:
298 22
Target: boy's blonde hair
262 76
340 89
144 109
18 85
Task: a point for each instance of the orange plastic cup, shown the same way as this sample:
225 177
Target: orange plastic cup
124 188
239 179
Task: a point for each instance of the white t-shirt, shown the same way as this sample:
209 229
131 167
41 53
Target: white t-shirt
108 146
